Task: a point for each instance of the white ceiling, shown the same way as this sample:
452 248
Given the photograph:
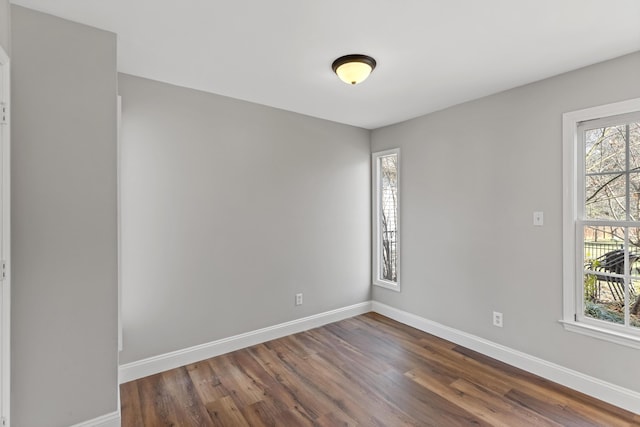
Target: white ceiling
431 53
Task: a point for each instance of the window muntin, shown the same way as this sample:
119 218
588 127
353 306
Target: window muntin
386 215
608 223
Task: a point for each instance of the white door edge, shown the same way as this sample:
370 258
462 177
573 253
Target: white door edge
5 244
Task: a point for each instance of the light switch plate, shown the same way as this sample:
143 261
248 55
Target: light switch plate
538 219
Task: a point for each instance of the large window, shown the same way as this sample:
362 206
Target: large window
602 222
386 216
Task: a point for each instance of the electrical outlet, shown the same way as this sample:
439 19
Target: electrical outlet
497 319
298 299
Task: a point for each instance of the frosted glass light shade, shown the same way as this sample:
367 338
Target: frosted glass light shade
354 69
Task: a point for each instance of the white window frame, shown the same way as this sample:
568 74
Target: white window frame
573 196
377 235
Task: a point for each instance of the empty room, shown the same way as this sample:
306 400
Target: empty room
335 213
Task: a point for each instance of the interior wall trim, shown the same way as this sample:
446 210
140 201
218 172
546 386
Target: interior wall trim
605 391
108 420
153 365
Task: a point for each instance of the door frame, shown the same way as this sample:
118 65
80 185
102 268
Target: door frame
5 244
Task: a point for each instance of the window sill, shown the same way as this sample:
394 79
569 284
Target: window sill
602 333
387 285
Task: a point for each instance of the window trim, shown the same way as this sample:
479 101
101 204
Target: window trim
570 192
376 232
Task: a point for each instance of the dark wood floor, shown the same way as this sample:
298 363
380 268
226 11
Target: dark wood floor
368 371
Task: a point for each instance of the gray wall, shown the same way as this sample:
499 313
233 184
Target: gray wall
64 308
229 209
5 26
472 175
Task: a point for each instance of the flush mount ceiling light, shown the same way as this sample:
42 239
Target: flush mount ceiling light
353 69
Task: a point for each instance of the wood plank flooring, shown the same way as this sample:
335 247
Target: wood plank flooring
364 371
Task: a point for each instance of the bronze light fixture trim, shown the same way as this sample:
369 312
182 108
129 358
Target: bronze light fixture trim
353 69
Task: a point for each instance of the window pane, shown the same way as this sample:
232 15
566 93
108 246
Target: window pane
605 197
604 256
599 241
634 146
634 303
607 271
389 217
605 149
634 196
634 269
601 308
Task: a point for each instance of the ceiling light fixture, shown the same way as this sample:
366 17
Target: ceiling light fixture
353 69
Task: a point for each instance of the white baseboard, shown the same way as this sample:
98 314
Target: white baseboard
108 420
605 391
610 393
175 359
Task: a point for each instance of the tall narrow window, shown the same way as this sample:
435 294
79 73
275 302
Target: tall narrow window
386 218
602 222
